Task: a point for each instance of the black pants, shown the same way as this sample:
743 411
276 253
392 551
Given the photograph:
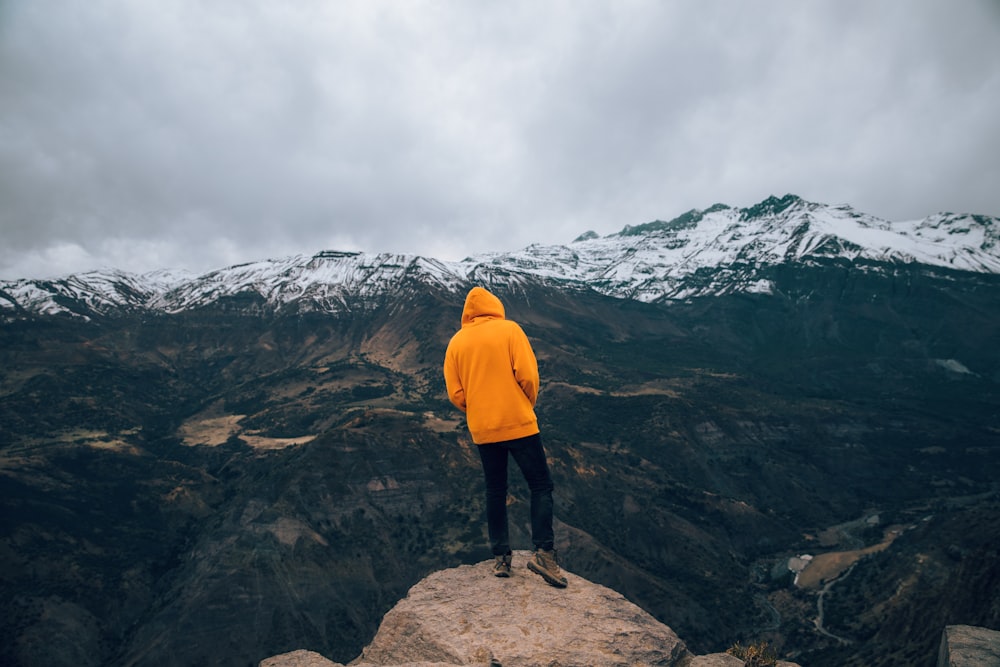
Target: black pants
530 458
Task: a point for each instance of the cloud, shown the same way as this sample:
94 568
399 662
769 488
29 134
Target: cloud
195 134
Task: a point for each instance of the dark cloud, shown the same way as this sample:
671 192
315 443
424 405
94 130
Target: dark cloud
191 134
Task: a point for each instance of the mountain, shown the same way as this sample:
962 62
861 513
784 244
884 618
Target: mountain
216 469
720 250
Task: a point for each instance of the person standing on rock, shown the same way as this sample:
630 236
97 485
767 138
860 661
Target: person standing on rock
492 376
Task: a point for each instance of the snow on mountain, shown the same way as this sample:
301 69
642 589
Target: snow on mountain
715 251
327 281
722 249
102 291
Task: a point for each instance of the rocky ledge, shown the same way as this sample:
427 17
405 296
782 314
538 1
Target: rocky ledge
968 646
466 616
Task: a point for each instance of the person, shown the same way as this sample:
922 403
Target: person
491 375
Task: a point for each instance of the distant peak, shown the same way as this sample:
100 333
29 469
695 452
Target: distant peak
683 221
586 236
335 254
770 206
687 220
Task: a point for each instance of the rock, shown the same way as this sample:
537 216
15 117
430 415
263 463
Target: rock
969 646
466 616
299 659
726 660
715 660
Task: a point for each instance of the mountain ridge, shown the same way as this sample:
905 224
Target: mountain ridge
718 250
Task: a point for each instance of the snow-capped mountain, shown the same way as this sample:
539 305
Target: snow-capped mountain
97 291
718 250
328 281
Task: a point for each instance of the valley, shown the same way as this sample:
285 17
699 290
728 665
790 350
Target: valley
242 478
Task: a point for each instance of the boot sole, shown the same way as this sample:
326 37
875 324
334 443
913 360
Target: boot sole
549 579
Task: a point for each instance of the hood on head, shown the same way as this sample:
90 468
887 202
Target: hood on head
479 303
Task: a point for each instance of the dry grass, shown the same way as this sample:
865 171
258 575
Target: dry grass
210 431
759 654
214 431
263 442
827 567
440 424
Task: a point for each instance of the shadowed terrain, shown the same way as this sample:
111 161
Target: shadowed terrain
230 483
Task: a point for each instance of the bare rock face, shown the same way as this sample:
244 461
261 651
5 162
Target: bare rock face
968 646
466 616
299 659
715 660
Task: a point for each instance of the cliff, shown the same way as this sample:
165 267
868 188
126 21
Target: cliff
466 616
967 646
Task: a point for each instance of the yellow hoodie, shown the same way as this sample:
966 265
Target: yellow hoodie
491 372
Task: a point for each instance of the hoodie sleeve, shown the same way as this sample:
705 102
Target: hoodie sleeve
524 364
453 382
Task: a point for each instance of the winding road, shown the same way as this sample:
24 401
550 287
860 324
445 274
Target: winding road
818 622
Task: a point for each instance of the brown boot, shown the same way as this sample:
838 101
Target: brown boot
544 563
501 566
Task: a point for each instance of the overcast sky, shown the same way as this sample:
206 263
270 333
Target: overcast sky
192 134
